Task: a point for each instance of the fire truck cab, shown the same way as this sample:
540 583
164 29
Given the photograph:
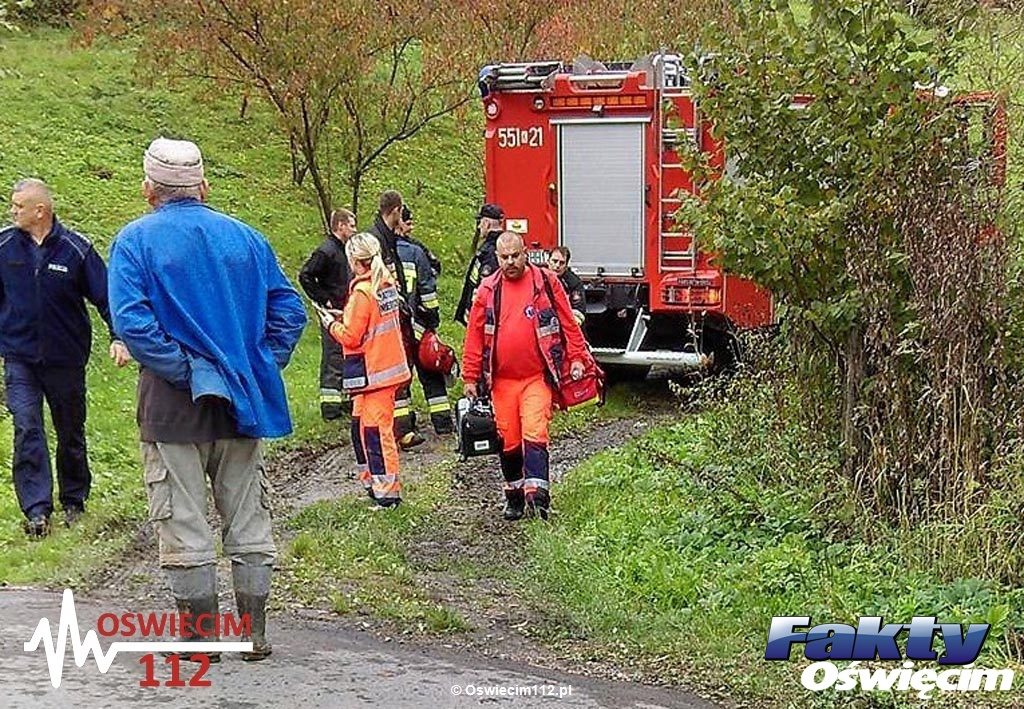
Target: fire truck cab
588 157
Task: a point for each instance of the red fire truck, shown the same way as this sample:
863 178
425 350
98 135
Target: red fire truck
588 156
589 159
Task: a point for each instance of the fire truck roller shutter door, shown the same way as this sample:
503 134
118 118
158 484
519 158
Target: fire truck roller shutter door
601 195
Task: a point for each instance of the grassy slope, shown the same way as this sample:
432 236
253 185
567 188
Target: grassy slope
78 120
714 527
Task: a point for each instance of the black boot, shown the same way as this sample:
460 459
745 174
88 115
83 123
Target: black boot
538 503
195 595
331 411
512 471
252 588
442 423
515 505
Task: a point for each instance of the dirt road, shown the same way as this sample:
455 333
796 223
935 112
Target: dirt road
315 664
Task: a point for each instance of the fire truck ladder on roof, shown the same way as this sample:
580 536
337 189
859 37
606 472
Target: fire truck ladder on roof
678 251
519 76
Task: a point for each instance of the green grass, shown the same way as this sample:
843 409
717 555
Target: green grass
678 549
77 119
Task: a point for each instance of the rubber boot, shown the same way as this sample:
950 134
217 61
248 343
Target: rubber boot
252 588
512 470
195 594
442 423
539 503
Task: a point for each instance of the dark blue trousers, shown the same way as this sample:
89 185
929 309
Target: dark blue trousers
64 391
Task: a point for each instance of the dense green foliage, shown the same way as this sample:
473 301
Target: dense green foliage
691 539
880 224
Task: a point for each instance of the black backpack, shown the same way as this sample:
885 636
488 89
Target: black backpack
478 432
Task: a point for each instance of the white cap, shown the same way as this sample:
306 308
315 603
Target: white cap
174 163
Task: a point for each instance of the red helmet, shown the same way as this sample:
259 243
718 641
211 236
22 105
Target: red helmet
436 356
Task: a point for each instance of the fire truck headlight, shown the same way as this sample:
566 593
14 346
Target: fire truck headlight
492 109
538 103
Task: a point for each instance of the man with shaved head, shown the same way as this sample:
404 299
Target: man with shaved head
521 340
47 272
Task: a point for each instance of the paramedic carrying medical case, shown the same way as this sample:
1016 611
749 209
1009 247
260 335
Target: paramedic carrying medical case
478 432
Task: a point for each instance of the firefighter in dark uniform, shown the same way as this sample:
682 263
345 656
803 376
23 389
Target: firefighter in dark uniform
558 261
387 221
325 279
485 262
421 279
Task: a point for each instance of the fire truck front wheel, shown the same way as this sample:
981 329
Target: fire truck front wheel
724 349
626 372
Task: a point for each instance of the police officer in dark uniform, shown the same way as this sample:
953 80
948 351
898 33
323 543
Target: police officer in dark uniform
485 262
325 277
47 273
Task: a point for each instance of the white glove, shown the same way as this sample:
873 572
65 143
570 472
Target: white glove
327 317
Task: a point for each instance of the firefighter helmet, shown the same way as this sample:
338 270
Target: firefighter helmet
436 356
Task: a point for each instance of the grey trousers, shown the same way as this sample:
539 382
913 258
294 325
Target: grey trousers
176 475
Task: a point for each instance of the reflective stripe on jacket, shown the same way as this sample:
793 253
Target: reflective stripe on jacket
371 338
422 285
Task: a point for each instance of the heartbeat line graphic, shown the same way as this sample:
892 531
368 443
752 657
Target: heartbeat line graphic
81 648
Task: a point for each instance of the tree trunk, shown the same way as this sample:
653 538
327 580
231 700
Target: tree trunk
356 182
855 445
298 169
322 190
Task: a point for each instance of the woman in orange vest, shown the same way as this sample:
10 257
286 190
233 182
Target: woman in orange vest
374 365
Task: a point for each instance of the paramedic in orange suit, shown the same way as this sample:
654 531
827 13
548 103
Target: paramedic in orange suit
374 364
514 350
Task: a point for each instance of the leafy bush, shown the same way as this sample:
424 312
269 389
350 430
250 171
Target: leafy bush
680 546
54 13
881 224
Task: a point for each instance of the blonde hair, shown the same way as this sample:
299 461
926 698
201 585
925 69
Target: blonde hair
365 249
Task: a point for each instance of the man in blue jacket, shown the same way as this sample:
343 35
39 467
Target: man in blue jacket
203 305
47 272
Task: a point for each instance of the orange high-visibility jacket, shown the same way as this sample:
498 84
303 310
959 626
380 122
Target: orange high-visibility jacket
371 338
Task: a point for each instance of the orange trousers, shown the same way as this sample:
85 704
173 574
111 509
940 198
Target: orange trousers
357 442
522 411
373 412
